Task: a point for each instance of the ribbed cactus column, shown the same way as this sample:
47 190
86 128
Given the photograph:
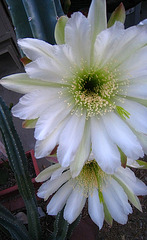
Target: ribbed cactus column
42 16
19 18
35 18
19 165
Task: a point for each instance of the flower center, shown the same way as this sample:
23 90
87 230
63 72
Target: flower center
93 91
91 177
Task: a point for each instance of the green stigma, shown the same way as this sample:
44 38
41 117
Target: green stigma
122 112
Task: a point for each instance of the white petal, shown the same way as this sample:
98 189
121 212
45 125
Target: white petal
135 80
34 48
50 119
105 151
116 201
137 90
122 135
74 205
21 83
46 69
138 115
131 196
47 172
143 22
97 17
133 163
44 147
106 43
70 139
134 184
133 39
143 141
49 187
135 65
95 209
77 35
33 104
57 173
82 152
65 57
59 199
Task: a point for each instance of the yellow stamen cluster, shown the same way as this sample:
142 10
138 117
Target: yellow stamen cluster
93 91
90 177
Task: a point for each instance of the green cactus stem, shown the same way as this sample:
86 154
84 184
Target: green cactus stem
18 163
19 18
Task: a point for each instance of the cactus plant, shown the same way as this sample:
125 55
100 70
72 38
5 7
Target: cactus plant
18 163
17 230
19 18
62 229
35 18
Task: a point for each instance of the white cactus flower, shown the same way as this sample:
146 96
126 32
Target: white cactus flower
89 91
107 194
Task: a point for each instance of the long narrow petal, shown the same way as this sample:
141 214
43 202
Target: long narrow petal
95 209
135 65
33 104
128 177
82 153
78 28
34 48
138 115
50 119
137 90
53 69
116 201
21 83
70 139
97 17
143 141
46 173
133 39
58 172
122 135
49 187
44 147
106 43
46 69
59 199
105 151
74 205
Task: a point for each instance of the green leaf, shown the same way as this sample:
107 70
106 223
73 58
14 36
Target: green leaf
143 165
123 158
59 30
117 15
29 123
